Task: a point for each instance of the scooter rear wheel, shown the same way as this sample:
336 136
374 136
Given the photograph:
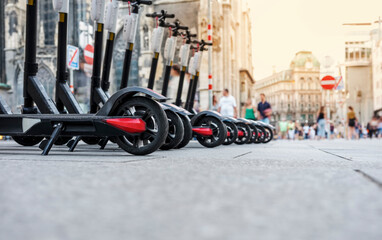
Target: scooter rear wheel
268 134
27 141
187 132
219 132
260 135
156 126
233 133
247 133
175 130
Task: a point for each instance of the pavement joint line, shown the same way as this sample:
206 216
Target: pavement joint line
241 155
345 158
369 177
81 161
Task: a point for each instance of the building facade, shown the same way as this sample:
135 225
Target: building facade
377 68
294 94
232 47
358 70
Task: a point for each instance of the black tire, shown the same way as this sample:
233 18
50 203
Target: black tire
175 131
62 141
260 136
268 134
156 126
255 134
219 132
91 140
27 141
233 130
187 132
247 133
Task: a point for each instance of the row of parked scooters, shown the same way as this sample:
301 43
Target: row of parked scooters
138 119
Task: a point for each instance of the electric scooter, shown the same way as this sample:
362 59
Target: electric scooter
112 120
176 127
208 126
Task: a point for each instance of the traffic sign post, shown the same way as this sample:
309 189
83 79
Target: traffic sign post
328 83
73 61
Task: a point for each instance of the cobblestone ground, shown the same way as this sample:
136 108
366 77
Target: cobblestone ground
282 190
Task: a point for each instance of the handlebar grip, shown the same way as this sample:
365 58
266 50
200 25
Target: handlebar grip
145 2
207 44
152 15
166 15
182 27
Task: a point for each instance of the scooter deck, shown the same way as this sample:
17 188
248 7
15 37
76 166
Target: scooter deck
44 125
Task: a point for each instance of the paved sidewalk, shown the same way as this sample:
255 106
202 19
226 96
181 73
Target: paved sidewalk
282 190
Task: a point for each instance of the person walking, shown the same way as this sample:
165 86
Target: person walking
264 109
291 129
321 123
352 121
227 105
249 110
215 103
306 131
283 127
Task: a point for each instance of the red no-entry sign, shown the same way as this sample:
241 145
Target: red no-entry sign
89 54
328 82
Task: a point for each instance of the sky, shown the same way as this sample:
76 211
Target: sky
281 28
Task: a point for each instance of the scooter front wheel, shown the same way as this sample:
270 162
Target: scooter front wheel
27 141
175 130
187 132
233 133
254 135
156 126
219 132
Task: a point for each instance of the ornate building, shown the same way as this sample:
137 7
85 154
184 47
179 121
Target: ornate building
295 94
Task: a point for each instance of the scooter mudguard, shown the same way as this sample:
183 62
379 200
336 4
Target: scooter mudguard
265 125
230 119
206 114
177 109
122 95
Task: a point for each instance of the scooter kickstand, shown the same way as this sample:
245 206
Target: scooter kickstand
72 144
103 143
46 145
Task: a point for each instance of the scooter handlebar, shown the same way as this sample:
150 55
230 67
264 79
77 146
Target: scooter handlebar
163 14
138 2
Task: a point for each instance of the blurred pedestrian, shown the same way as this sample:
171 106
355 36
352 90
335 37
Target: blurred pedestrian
380 128
215 103
373 126
227 105
306 131
321 123
312 132
352 121
291 130
264 109
249 110
283 128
